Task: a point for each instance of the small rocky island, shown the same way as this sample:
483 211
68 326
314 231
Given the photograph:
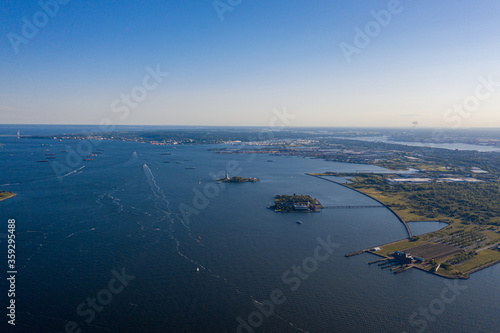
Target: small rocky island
237 179
4 195
292 203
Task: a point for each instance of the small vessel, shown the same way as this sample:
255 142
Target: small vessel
299 222
199 237
51 158
42 161
88 159
197 269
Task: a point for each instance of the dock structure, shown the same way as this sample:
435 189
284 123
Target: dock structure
374 262
403 269
388 262
398 262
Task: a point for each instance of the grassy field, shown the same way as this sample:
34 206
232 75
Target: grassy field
456 226
466 236
482 258
393 200
405 164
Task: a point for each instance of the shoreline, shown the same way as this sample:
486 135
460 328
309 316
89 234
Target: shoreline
464 275
8 197
408 230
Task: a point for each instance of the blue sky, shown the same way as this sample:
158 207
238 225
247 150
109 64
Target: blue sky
284 54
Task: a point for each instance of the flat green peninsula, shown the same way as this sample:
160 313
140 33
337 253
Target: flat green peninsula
469 243
291 203
4 195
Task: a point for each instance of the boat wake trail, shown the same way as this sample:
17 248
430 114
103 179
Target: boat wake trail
111 197
152 182
76 171
162 205
133 160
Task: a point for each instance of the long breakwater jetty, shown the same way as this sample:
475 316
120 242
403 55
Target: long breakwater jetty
352 206
356 253
381 260
410 235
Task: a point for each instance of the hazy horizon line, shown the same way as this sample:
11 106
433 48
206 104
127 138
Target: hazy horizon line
262 126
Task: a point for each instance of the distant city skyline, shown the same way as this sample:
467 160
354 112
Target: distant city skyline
244 63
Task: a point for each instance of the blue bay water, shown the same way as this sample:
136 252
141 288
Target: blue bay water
121 211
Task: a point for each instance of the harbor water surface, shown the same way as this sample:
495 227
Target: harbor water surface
204 257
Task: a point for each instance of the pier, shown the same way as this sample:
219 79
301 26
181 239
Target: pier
352 206
374 262
403 269
391 264
394 263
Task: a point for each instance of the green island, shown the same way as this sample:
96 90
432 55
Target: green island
6 195
237 179
470 242
291 203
